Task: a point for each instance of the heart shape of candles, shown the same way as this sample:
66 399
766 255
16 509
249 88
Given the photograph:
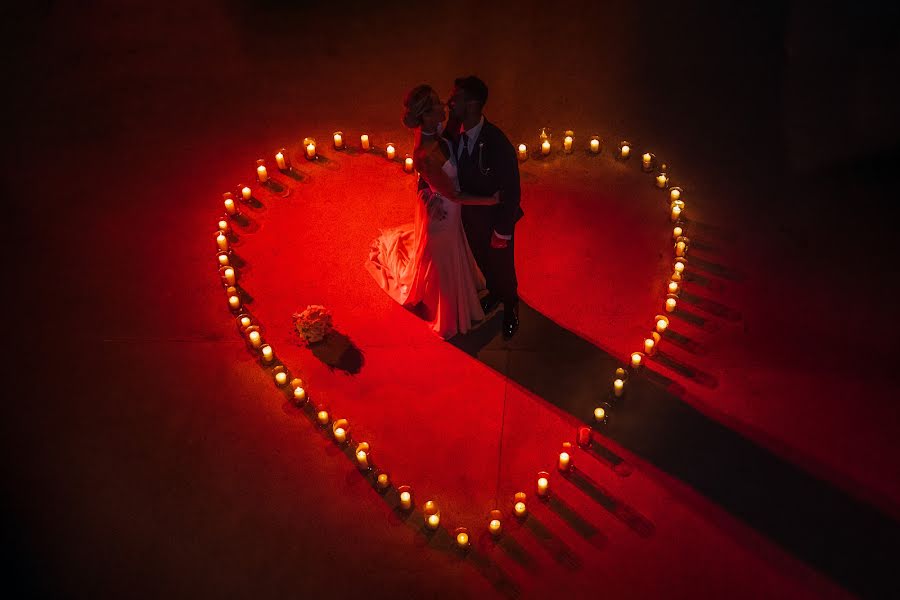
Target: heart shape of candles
339 430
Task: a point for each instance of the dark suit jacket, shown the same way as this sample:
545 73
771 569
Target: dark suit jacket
496 169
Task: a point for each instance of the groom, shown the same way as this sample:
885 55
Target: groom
486 164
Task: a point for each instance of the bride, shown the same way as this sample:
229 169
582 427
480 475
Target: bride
428 265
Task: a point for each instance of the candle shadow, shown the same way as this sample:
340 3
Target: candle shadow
615 506
689 317
807 516
254 203
683 342
692 373
709 229
574 520
275 187
703 246
236 261
608 458
702 280
510 547
550 542
293 174
711 306
714 269
324 162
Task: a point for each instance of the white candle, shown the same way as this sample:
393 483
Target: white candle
676 212
433 521
228 273
390 151
229 206
647 158
670 304
494 527
408 164
234 302
673 287
625 151
340 435
338 140
311 150
267 353
649 347
223 259
262 174
224 226
405 500
677 232
255 339
661 180
674 194
281 378
462 539
245 322
364 142
222 242
599 413
564 461
636 359
279 160
299 394
679 267
662 324
567 143
618 387
362 459
542 486
322 417
595 145
520 509
523 151
383 481
545 147
680 248
246 193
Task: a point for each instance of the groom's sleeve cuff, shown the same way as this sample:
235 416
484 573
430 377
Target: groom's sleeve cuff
502 237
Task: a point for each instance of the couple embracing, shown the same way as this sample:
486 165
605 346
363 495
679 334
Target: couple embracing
463 237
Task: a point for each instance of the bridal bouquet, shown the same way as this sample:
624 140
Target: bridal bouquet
313 324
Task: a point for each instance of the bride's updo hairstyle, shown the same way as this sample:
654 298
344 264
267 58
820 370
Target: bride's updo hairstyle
418 101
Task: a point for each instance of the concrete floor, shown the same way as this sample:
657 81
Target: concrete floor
149 454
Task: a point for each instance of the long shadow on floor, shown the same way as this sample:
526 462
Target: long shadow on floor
808 517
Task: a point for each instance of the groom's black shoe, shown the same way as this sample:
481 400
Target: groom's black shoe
489 303
510 320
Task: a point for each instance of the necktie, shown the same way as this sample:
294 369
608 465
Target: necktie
464 141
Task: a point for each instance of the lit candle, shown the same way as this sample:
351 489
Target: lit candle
224 226
661 180
338 140
677 232
520 509
245 322
255 339
599 414
595 145
618 387
680 248
545 147
432 514
405 497
673 287
267 353
494 527
383 481
228 274
670 304
564 461
679 266
222 241
299 395
230 208
362 456
390 151
281 378
322 416
567 143
462 539
625 151
676 212
662 325
234 302
523 151
649 347
364 141
676 276
311 151
647 159
340 436
621 374
246 193
280 161
408 164
675 193
261 174
636 358
543 484
434 521
223 259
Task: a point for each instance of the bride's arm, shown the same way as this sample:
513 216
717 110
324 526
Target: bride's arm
476 200
431 167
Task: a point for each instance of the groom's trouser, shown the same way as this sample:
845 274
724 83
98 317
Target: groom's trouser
497 264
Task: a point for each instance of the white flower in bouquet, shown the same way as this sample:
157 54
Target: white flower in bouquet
313 324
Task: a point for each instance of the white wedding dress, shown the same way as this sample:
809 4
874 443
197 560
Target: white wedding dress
428 265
